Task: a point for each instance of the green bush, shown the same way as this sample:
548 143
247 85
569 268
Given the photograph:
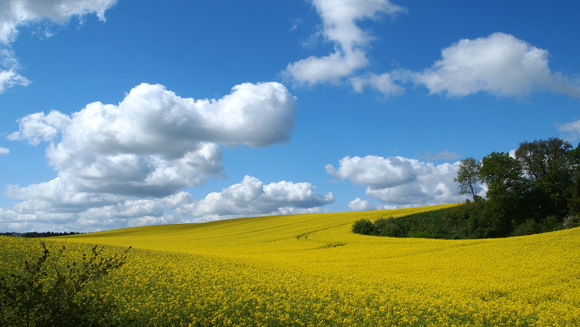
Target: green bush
388 227
527 228
51 290
363 226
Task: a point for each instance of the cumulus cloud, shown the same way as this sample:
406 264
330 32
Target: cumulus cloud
150 146
570 131
252 197
340 18
90 212
155 142
85 211
18 13
499 64
399 181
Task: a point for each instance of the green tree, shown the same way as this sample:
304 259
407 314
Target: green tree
468 176
547 165
541 158
507 189
574 188
503 175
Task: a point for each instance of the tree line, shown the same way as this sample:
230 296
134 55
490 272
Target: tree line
534 189
39 234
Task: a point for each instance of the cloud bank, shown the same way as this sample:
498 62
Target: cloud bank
151 146
398 181
19 13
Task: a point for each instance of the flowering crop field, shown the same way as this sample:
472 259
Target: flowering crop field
311 270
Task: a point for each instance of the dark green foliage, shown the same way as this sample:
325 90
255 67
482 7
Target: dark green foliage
471 220
51 290
387 227
362 226
537 191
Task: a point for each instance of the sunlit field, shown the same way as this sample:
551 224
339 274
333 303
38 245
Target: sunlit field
311 270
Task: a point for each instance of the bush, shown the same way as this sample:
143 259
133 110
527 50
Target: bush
363 226
50 290
571 222
387 227
529 227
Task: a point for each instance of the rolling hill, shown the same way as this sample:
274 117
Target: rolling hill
311 269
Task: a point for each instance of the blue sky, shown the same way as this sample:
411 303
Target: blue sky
118 113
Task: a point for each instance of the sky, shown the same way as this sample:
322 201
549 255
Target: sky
122 113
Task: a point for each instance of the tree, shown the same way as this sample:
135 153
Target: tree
507 192
548 166
468 176
502 174
544 157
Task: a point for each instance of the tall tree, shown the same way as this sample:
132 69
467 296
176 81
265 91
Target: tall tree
507 190
468 176
543 157
502 174
547 164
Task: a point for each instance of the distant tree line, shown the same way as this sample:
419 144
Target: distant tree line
39 234
537 189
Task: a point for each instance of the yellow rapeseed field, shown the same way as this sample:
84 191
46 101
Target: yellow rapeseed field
311 270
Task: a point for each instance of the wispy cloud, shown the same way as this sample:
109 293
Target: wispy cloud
340 27
570 131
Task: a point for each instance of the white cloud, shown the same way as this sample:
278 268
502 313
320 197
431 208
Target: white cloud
252 197
9 66
18 13
10 78
152 145
4 151
90 212
331 68
359 204
154 142
499 64
399 181
340 27
570 131
374 171
39 127
383 83
42 210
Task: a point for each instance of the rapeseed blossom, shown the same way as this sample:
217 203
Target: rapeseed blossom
311 270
